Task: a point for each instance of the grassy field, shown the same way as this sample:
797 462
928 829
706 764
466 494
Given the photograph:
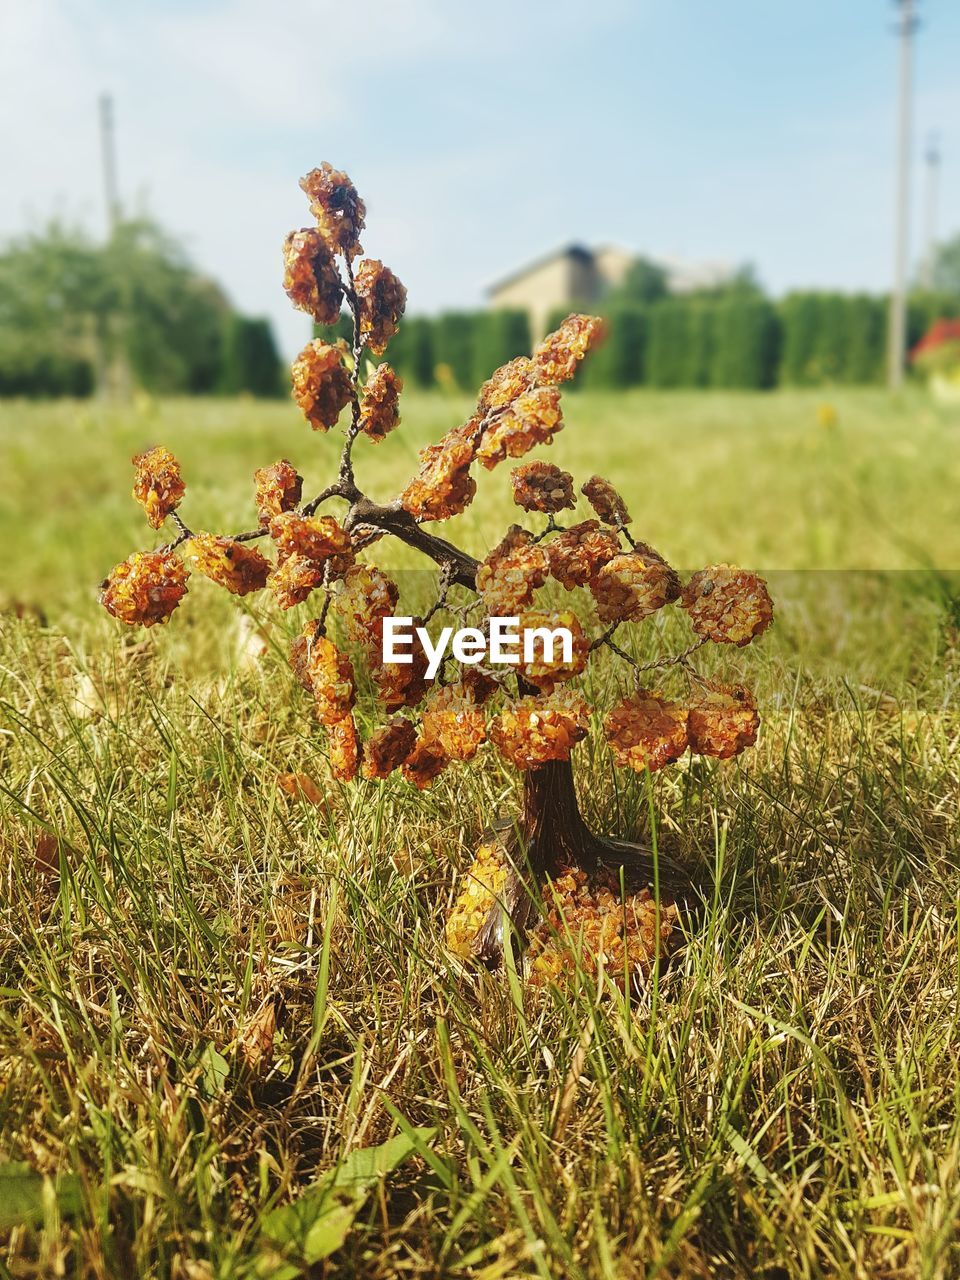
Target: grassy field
217 998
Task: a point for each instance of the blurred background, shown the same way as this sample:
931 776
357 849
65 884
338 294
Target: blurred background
764 200
722 179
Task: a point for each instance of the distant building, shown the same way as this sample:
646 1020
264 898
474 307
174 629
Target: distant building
576 276
942 333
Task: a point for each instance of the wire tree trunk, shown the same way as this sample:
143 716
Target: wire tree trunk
550 833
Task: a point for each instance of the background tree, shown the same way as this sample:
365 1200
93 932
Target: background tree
644 282
250 359
75 315
945 276
533 714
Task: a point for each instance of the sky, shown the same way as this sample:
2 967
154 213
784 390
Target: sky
485 134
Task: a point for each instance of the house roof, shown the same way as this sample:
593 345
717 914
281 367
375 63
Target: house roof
576 251
940 331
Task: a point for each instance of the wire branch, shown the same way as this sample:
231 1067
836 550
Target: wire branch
393 519
331 491
444 583
671 660
346 480
183 530
622 528
550 527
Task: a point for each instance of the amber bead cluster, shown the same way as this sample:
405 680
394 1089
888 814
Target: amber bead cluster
518 408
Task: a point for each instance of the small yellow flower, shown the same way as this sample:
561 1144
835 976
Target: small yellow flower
445 378
827 416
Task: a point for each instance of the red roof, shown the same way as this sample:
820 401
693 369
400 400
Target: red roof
940 331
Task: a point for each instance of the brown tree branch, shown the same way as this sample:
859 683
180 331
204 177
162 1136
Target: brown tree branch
392 518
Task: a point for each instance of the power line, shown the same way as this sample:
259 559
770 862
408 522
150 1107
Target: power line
906 28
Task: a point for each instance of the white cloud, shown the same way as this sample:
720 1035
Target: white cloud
212 101
473 132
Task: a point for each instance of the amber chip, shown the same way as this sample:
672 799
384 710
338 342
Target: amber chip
325 672
321 384
507 383
310 277
443 486
723 721
424 765
366 597
452 722
234 565
337 207
316 538
511 572
380 403
381 299
540 486
646 731
481 889
549 665
578 552
145 589
531 731
343 747
294 578
532 419
158 485
388 747
588 928
606 501
279 488
560 352
630 587
728 605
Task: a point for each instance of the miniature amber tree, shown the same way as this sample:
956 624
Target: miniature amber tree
532 714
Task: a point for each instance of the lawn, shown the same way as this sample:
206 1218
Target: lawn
216 995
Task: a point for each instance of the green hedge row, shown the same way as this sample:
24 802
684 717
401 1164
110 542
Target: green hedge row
682 342
241 358
28 369
807 339
833 338
456 350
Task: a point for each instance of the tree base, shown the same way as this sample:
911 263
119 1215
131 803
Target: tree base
551 841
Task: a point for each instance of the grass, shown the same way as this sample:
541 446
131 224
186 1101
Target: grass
781 1100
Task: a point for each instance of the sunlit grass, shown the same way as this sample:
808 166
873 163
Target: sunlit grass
752 478
784 1095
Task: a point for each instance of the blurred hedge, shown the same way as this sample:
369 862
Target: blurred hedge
28 368
498 336
833 338
734 340
621 360
251 363
703 342
75 315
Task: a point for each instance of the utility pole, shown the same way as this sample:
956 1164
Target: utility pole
906 27
113 370
108 161
933 159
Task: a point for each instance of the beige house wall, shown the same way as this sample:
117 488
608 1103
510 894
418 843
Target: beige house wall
546 288
576 277
613 264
